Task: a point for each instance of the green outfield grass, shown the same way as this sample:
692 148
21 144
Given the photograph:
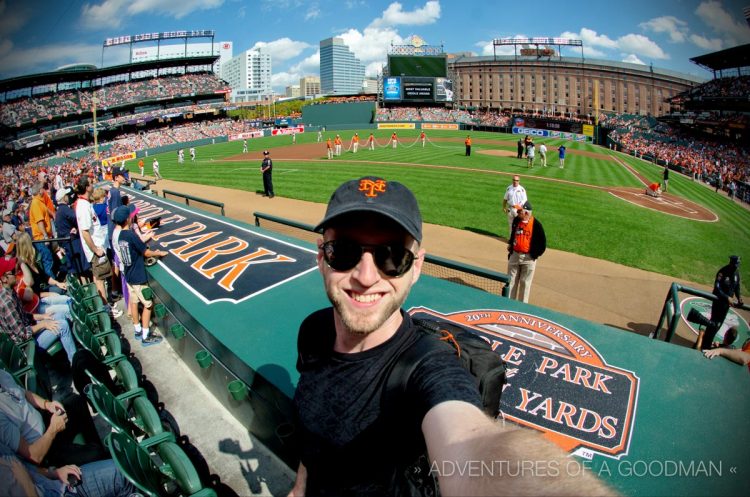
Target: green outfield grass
466 193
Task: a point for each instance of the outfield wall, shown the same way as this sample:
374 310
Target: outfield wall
350 115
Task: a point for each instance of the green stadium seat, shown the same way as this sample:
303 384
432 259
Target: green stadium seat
175 469
130 413
15 360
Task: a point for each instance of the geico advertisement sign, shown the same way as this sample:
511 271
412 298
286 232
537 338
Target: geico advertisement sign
530 131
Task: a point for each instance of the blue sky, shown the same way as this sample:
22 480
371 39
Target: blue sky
41 35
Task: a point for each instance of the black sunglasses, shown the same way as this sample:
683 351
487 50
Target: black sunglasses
343 255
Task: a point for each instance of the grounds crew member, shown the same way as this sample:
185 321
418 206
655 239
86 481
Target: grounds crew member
467 142
329 148
353 441
355 143
527 243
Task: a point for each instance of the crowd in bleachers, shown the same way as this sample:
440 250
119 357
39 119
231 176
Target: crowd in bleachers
728 87
433 114
58 332
703 158
69 102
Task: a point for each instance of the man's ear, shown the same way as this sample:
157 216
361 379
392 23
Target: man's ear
319 256
417 268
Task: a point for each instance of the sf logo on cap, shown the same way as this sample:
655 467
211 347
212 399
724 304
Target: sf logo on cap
372 187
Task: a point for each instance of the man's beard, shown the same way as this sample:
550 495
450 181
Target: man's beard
363 324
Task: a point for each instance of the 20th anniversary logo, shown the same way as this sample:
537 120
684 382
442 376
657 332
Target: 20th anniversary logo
557 382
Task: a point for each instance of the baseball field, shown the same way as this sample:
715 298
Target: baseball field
593 207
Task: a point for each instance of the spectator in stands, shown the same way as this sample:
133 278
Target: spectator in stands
134 251
95 254
40 430
97 479
741 356
20 325
67 226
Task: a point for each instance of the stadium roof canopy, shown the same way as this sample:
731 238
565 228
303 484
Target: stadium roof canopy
731 58
63 76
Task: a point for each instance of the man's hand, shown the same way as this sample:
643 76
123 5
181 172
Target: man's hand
53 406
59 421
711 353
62 473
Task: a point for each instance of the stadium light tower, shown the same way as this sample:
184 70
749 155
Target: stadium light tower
94 101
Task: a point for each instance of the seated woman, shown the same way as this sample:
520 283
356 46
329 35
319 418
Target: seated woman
36 272
654 190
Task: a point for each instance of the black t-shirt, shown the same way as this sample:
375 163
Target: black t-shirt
351 444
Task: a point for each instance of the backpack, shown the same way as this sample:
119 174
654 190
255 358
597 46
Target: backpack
477 357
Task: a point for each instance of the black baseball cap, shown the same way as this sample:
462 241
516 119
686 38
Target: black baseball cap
266 152
118 171
372 194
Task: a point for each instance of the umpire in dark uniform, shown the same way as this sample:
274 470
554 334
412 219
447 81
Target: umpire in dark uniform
266 167
726 285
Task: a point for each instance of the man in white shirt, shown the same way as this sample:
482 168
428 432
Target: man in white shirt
543 154
93 245
515 194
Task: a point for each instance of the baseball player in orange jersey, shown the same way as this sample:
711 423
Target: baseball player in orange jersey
337 143
423 138
355 143
371 142
394 140
329 148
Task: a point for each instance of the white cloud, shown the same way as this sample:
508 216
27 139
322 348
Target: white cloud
633 59
308 65
395 15
281 80
734 32
591 38
676 28
641 45
488 49
111 13
313 12
712 44
282 49
372 43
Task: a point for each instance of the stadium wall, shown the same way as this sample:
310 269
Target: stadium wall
350 115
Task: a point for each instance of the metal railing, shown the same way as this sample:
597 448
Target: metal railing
670 313
67 243
188 198
458 267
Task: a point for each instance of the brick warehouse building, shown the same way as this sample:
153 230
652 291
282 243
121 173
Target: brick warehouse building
564 85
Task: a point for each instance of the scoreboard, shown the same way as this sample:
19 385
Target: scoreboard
417 89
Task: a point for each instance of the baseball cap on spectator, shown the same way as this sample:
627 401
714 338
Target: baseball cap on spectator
121 214
371 194
60 195
7 265
119 171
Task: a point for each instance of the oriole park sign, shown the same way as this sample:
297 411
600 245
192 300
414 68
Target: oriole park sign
218 259
557 382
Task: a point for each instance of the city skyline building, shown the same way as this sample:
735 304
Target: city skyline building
341 73
249 75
